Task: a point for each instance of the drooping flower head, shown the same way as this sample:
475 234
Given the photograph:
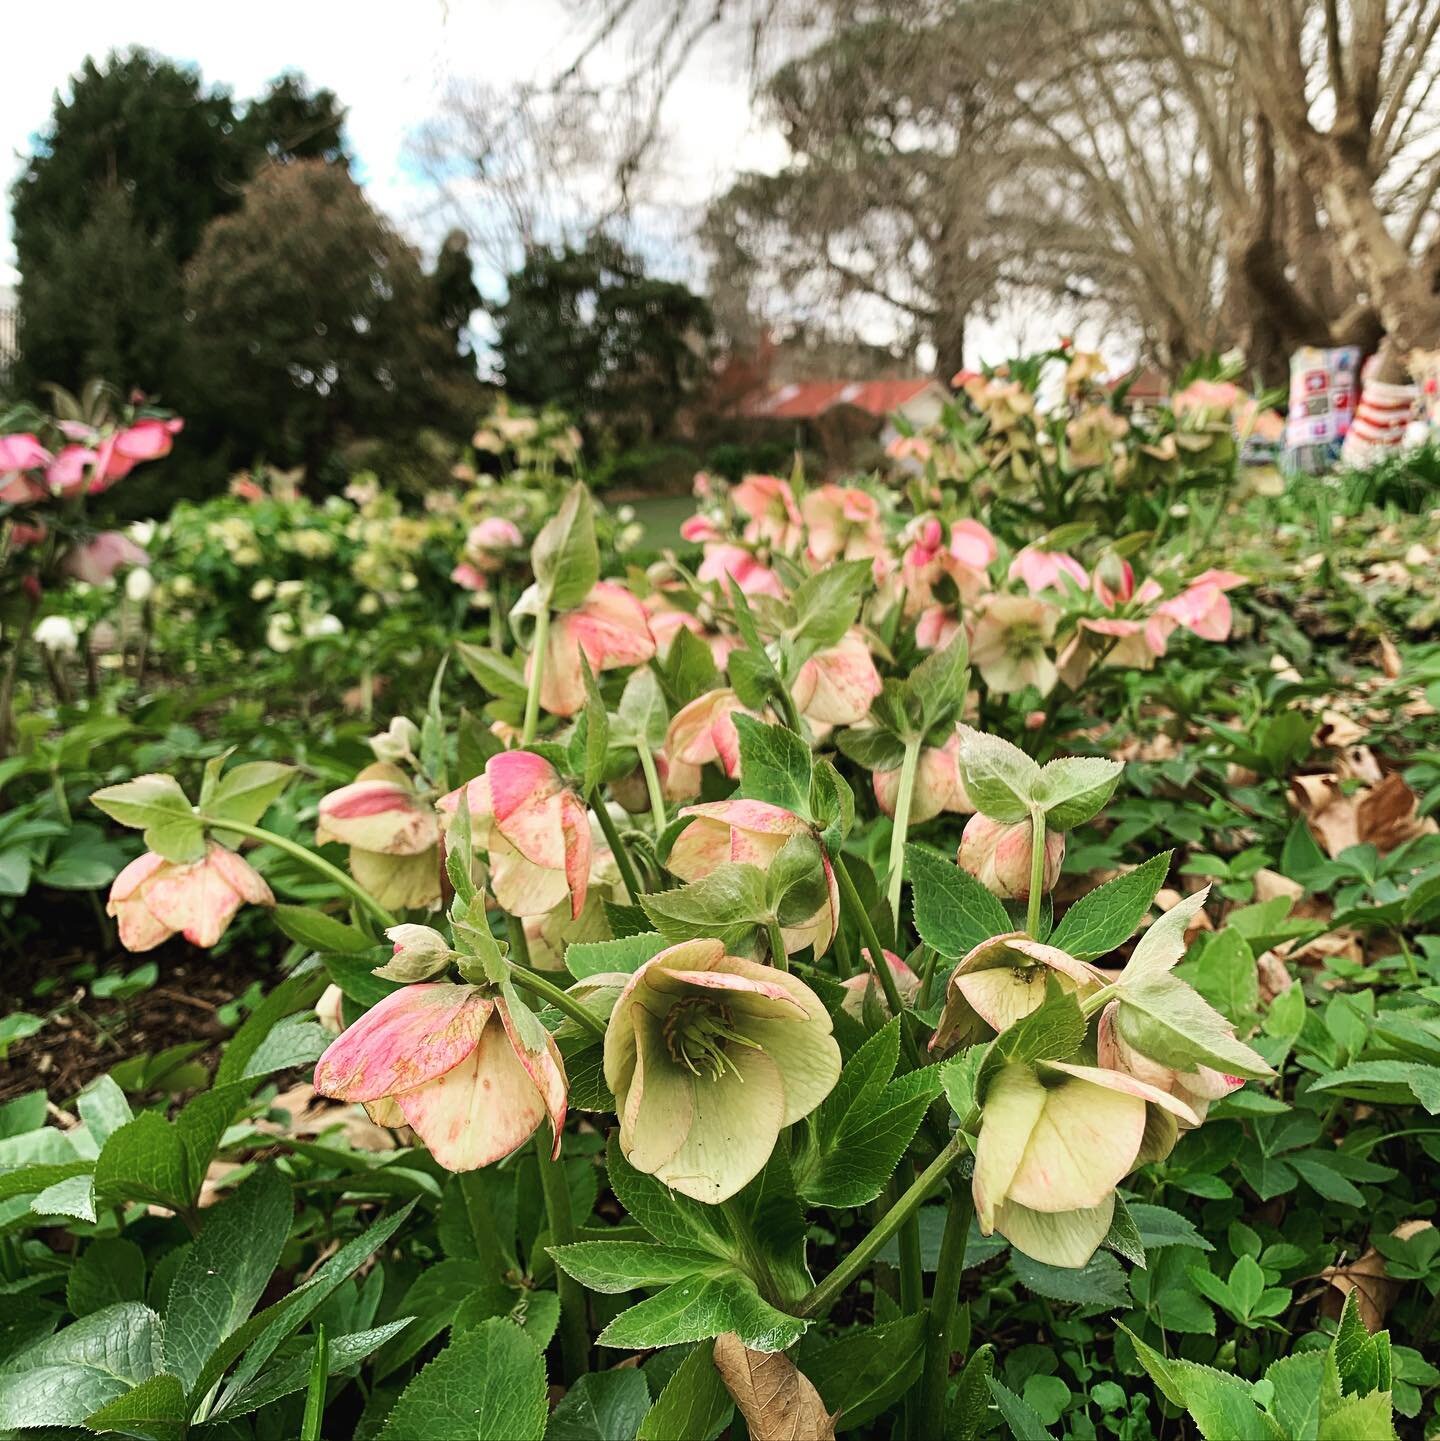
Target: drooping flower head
702 733
997 854
450 1062
608 628
392 832
842 523
772 517
709 1056
152 898
836 686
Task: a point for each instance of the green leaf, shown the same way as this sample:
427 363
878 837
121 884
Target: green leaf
62 1379
496 674
565 557
1107 916
867 1368
1163 943
155 1408
1100 1283
641 717
225 1271
593 958
1074 788
694 1406
999 777
1163 1018
156 805
954 913
1158 1226
1359 1418
670 1217
689 669
1296 1380
775 765
601 1406
488 1384
245 792
110 1270
700 1309
1055 1030
1221 1404
969 1410
729 904
614 1267
940 683
298 993
321 932
827 602
1019 1415
1225 974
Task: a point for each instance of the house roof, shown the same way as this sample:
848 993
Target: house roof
805 400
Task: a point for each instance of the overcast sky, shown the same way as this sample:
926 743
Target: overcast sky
389 61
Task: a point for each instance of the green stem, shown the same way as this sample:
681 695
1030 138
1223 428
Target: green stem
652 786
912 1289
574 1327
307 857
537 675
626 866
792 716
313 1420
1037 870
939 1344
850 900
779 956
823 1296
563 1001
908 768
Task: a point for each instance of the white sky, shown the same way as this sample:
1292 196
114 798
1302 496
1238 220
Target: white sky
389 61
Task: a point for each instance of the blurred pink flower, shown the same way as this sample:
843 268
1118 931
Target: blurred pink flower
843 523
1042 569
738 565
97 560
608 628
773 517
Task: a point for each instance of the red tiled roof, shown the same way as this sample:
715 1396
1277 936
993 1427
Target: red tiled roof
805 400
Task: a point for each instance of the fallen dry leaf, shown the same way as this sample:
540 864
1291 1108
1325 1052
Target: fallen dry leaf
1384 815
1375 1289
1390 661
776 1400
1338 730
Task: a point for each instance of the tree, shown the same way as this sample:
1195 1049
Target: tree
587 329
143 154
310 322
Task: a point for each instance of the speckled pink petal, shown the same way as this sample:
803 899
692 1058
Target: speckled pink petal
240 875
409 1038
575 828
195 899
519 780
133 877
479 1111
701 847
546 1070
562 687
377 815
522 887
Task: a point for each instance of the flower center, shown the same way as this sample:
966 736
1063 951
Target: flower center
697 1034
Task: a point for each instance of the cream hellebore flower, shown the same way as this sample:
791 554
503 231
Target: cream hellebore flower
997 854
393 835
753 833
609 628
842 523
1197 1088
702 733
153 898
448 1061
836 686
938 786
856 988
709 1057
1001 981
1010 645
1055 1141
535 830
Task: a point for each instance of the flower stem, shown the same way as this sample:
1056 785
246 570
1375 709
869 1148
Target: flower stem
1037 870
563 1001
792 716
850 900
537 675
908 768
935 1380
823 1296
307 857
779 956
652 786
617 848
574 1326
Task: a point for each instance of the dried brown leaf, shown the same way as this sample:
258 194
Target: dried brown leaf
776 1400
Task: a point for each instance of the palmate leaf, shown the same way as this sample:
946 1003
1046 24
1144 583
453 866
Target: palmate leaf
999 777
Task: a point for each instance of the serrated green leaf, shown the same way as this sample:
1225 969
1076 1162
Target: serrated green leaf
862 1372
701 1309
1107 916
694 1406
1073 789
601 1406
999 777
1163 943
565 557
954 913
613 1267
729 904
319 931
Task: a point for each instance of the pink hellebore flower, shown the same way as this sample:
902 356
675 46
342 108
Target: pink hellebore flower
18 453
152 898
1197 1088
738 565
773 517
608 628
937 627
97 560
938 786
836 686
118 454
907 983
997 854
1042 569
392 833
842 523
70 470
485 547
535 829
1203 605
1207 399
700 528
703 733
752 832
448 1061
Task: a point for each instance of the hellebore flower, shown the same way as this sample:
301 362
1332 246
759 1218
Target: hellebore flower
842 523
856 988
737 565
997 854
548 936
1042 569
702 733
608 628
1197 1088
97 560
1203 605
393 835
450 1062
709 1057
836 686
753 832
938 786
773 518
70 469
18 453
119 453
153 898
1054 1143
1001 981
535 830
57 634
1009 645
420 954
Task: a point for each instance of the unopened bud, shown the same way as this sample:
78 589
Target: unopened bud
997 854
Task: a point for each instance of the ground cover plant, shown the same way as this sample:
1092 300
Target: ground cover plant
944 953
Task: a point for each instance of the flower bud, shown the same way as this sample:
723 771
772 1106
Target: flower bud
997 854
420 953
397 743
